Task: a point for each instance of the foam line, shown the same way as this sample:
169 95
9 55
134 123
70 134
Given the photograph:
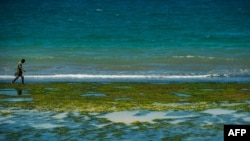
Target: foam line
90 76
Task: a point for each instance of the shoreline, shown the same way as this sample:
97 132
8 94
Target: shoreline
123 96
131 78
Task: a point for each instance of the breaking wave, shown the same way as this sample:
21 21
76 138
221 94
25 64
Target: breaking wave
129 78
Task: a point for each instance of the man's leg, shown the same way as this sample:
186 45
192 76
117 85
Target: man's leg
13 81
22 80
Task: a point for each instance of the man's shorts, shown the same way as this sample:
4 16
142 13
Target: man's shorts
19 73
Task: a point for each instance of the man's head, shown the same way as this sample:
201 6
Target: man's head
23 60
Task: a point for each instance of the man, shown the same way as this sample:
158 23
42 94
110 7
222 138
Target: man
19 72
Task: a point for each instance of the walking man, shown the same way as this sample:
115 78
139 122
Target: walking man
19 72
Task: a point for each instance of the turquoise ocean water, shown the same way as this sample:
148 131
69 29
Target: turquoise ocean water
133 40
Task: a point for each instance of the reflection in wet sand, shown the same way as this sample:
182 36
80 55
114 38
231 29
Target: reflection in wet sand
13 92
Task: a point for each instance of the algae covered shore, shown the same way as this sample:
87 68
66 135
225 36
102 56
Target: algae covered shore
121 111
109 97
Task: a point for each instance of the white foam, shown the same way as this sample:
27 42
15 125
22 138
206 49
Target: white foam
93 76
191 56
131 77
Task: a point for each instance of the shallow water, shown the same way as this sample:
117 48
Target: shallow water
123 99
129 117
245 89
181 94
216 112
94 95
125 125
15 95
206 89
124 87
16 99
12 92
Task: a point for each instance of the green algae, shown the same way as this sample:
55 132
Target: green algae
61 130
148 96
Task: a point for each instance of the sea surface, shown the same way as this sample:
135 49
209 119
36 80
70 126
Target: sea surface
132 40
